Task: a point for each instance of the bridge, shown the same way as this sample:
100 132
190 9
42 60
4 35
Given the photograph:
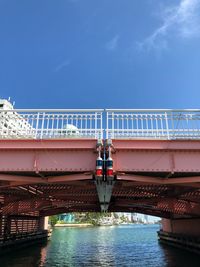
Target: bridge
67 160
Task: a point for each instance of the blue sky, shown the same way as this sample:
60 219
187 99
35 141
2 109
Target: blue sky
100 54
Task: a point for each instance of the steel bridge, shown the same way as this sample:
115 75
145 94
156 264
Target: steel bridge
67 160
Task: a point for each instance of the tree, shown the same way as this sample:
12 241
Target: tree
53 219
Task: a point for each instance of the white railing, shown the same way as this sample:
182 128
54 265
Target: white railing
153 124
45 124
127 124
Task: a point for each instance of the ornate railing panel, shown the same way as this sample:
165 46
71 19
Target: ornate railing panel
153 124
45 124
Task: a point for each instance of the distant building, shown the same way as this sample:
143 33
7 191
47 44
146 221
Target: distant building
130 217
66 217
12 124
146 219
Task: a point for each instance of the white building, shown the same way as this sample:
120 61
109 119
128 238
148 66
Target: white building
12 124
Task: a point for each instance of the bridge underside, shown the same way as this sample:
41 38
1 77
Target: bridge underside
46 199
47 177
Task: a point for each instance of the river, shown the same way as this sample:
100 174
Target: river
131 246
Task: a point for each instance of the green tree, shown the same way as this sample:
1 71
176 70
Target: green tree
53 219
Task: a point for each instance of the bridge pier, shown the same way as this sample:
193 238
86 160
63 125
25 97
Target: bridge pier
21 230
181 233
43 223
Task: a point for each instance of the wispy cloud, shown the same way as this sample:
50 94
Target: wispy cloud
113 43
62 65
182 19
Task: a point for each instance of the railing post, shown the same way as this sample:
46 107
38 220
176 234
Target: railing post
101 126
113 126
37 123
107 126
167 126
95 125
172 124
42 126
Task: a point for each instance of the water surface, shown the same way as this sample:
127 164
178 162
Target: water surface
131 246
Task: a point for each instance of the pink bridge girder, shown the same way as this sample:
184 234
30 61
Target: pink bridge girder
35 156
46 177
156 156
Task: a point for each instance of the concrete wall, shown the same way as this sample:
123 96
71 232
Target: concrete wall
183 226
43 223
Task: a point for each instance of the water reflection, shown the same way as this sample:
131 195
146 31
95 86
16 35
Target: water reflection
101 246
175 257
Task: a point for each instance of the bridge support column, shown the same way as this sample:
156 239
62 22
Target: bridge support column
182 233
1 225
43 223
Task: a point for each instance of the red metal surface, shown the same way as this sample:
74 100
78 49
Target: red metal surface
156 156
47 156
47 177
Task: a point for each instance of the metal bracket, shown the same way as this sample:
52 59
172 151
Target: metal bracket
104 190
104 184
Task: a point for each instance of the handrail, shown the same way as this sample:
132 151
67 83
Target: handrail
51 123
52 110
152 110
88 123
153 124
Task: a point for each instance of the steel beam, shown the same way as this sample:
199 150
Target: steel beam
156 156
35 156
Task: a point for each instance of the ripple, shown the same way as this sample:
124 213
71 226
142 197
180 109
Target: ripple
126 246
